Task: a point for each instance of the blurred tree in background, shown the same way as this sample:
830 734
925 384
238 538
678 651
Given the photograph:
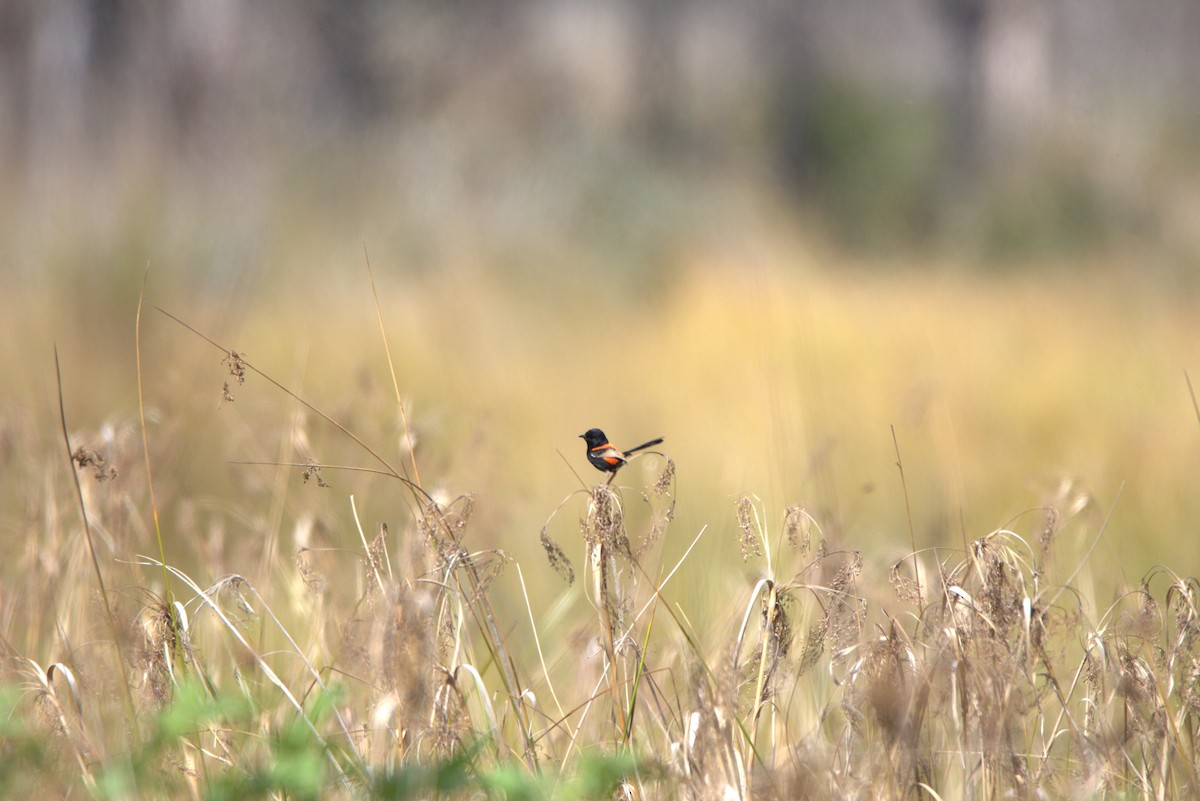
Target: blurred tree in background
616 132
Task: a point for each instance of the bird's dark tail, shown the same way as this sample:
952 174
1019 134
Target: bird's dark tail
645 445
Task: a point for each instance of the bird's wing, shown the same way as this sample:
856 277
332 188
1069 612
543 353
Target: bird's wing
609 453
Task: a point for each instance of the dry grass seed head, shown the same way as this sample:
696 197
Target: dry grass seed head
797 527
1039 631
49 710
906 589
237 366
375 565
1066 500
1145 620
847 611
557 558
1145 715
883 684
442 527
1000 589
1191 686
447 633
780 624
237 371
158 650
777 628
1181 603
227 591
814 645
1135 679
59 728
312 469
451 721
747 518
604 521
457 513
1093 681
447 521
658 527
1050 527
314 581
488 565
663 483
85 457
616 608
660 498
843 615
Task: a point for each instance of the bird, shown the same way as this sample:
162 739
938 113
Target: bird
604 456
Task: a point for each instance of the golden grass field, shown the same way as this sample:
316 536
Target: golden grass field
1049 448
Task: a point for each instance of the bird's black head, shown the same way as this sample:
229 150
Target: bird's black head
594 437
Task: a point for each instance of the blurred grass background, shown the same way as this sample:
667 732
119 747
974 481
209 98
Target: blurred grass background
768 235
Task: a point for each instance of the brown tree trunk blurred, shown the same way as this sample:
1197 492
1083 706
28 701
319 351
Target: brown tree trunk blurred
1000 73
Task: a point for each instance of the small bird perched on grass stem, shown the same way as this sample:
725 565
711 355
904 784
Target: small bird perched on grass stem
604 456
